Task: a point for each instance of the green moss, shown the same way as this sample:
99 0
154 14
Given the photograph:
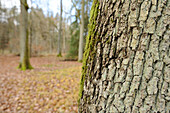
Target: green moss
90 41
26 6
59 55
112 19
80 61
108 41
25 66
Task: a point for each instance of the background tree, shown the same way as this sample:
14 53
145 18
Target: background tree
74 45
43 29
77 4
80 58
13 27
126 64
60 31
24 55
4 29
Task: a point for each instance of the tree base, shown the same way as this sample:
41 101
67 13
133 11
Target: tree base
59 55
25 67
80 61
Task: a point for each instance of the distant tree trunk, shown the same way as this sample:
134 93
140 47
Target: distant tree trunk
60 31
31 34
50 33
24 55
64 38
15 33
64 42
126 67
80 55
51 44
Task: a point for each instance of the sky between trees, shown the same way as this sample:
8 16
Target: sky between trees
54 5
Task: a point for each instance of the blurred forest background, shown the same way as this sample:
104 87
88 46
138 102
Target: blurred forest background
40 34
44 29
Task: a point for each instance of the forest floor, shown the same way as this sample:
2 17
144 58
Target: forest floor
51 87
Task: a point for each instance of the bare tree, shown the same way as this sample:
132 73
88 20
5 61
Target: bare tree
80 55
24 53
60 31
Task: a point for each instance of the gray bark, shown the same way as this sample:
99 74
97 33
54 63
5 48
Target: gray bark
24 53
127 63
80 55
64 41
31 34
60 31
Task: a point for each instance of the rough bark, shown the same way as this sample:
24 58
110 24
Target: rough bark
80 58
60 31
24 52
126 62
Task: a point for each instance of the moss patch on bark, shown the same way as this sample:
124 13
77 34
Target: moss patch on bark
59 55
89 44
24 66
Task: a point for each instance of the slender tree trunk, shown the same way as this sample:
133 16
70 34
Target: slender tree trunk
64 37
31 34
127 63
51 46
49 33
64 42
36 41
49 28
15 35
30 42
80 55
24 55
60 31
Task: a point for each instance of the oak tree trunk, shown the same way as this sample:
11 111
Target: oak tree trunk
126 66
24 52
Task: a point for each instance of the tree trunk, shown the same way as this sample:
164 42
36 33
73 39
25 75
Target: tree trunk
80 55
24 55
65 36
31 34
126 65
60 31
